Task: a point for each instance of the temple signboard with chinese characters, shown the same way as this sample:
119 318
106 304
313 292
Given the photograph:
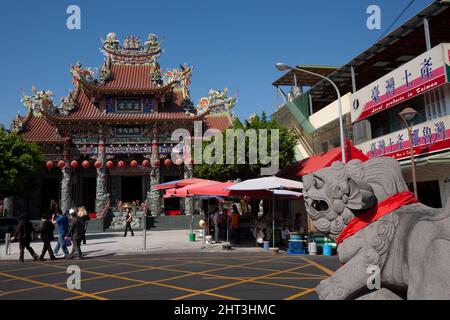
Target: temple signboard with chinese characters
427 138
424 73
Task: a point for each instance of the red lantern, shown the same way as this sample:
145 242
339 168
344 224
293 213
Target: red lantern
85 164
98 164
74 164
134 163
49 165
61 164
179 162
109 164
121 164
146 163
157 163
167 162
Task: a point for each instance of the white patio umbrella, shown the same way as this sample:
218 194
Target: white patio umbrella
276 185
267 183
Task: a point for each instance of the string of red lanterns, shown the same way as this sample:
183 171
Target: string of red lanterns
49 165
110 164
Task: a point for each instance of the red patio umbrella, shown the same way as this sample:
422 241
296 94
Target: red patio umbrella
184 191
213 189
178 183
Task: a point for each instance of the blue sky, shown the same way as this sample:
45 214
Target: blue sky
231 43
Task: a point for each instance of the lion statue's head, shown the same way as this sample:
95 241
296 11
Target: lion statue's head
335 195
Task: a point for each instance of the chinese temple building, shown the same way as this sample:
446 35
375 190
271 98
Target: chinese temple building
109 141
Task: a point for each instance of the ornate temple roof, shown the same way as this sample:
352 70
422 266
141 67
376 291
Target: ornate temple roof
42 131
220 121
88 112
130 69
129 78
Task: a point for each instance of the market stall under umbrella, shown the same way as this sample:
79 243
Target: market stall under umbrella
274 185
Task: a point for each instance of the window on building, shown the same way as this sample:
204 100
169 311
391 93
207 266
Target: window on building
435 104
389 121
360 131
325 147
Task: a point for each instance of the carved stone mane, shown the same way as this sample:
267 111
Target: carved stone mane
382 174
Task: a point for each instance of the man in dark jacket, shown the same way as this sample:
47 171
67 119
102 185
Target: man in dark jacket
23 233
47 237
76 231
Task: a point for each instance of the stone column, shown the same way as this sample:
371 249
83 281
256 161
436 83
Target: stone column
153 195
102 197
66 181
66 188
188 201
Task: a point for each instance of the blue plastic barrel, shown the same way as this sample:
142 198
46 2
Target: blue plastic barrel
266 245
326 249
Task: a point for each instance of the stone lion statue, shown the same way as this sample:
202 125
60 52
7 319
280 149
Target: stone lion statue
409 242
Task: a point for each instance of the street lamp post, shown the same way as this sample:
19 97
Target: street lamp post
408 115
285 67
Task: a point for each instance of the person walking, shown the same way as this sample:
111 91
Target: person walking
76 233
84 217
128 220
63 227
216 222
46 230
23 233
235 226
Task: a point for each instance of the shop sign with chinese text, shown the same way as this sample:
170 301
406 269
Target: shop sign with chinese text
424 73
428 137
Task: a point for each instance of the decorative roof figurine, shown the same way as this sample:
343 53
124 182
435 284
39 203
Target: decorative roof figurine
152 43
111 42
216 101
132 43
81 73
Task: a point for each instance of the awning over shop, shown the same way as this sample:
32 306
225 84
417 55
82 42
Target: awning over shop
321 161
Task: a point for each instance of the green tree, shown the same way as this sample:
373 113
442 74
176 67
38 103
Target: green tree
223 172
20 161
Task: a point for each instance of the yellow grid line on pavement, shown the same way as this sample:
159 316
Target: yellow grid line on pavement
240 282
51 274
55 287
298 295
206 272
318 266
207 261
265 269
187 274
82 279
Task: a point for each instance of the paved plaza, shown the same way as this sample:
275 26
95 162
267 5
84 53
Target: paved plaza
223 276
109 243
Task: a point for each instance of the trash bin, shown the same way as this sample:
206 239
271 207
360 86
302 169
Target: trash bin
327 249
192 237
266 245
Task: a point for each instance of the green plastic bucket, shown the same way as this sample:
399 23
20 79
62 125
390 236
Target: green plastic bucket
191 236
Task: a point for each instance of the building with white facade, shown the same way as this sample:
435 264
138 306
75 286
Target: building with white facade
407 68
